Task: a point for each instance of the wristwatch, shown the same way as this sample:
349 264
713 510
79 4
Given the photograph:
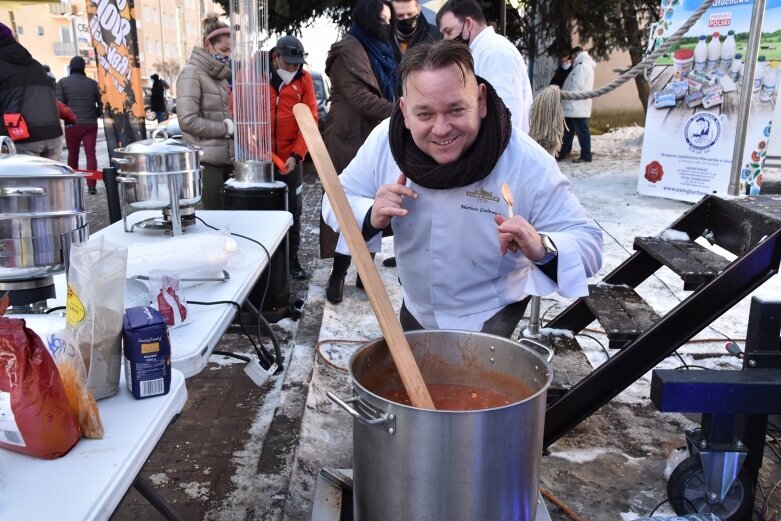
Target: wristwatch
550 250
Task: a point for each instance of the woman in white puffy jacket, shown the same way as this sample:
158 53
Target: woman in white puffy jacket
577 113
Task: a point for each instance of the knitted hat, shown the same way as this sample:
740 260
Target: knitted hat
77 64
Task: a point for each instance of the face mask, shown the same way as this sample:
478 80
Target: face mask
286 76
566 66
222 58
460 37
407 27
382 32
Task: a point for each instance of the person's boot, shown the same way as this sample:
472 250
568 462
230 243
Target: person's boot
390 262
296 271
335 290
358 281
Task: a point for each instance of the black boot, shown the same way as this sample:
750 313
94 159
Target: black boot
358 281
335 290
296 271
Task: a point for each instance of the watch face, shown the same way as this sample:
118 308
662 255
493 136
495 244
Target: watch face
548 244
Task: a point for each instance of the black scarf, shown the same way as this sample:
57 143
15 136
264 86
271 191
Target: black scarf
475 164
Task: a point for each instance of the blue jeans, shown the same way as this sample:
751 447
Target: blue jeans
577 126
161 116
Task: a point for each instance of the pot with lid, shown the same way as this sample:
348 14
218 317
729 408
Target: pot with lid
152 169
41 214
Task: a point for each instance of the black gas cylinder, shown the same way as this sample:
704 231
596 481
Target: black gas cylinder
269 196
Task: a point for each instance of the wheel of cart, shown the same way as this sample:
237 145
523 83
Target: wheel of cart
688 494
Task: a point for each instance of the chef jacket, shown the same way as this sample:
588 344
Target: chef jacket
498 61
452 273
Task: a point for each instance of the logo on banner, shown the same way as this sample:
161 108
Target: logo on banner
720 20
702 131
654 172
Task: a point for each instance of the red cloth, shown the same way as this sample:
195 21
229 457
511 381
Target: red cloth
75 135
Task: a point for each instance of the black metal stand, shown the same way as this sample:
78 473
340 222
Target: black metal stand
151 495
735 406
112 194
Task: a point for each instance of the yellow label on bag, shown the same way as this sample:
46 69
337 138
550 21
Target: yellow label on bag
74 308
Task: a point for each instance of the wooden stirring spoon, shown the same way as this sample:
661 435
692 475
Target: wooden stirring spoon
508 198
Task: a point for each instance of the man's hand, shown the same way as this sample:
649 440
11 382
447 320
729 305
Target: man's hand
290 164
517 234
388 201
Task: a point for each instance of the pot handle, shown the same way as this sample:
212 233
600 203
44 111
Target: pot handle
129 180
386 419
539 346
17 191
158 131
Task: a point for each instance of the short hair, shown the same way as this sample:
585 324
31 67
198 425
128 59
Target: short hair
437 55
462 9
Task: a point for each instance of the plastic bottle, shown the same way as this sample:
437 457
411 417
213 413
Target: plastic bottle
728 47
759 72
700 54
769 81
714 53
735 66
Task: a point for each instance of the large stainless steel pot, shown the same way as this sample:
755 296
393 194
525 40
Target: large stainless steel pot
154 168
428 465
41 214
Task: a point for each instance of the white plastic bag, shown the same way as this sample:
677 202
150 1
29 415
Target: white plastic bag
169 299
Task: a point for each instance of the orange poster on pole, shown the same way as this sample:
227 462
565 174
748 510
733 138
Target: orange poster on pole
112 27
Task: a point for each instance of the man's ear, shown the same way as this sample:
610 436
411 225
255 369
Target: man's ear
482 106
403 107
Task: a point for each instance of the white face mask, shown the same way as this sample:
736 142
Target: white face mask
286 76
566 66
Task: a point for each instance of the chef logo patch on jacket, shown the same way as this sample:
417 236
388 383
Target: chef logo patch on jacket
481 197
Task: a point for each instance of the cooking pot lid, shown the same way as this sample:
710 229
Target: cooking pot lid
160 143
24 165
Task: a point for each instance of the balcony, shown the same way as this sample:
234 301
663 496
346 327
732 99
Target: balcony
63 9
64 49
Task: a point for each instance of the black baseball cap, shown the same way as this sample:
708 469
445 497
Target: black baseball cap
291 49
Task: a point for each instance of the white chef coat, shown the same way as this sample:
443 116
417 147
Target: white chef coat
447 246
499 62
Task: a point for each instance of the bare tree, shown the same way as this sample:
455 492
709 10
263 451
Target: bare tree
168 70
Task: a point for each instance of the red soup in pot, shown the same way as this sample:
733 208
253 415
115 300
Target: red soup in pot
453 397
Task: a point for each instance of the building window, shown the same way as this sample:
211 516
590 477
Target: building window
19 30
149 47
39 30
158 47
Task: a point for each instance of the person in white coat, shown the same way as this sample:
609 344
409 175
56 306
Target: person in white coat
497 60
577 113
434 171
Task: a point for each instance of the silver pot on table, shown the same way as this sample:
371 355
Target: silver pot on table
41 215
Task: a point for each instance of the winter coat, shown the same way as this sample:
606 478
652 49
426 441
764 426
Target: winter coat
580 79
82 95
357 106
285 135
424 32
157 98
202 103
25 88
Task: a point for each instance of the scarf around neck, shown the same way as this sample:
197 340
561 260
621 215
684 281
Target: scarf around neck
382 59
474 165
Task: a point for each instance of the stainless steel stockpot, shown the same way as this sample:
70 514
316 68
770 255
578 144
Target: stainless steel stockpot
149 168
41 214
431 465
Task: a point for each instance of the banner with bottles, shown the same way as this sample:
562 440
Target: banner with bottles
112 26
691 122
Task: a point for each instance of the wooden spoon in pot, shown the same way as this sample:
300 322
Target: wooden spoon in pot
386 316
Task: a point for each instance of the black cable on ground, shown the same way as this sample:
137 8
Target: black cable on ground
52 310
274 341
607 354
232 355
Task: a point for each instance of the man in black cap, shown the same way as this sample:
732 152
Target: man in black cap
25 91
290 85
82 95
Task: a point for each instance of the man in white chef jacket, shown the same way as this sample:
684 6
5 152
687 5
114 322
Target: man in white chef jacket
434 171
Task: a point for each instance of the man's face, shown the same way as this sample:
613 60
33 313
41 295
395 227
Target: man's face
405 10
442 114
450 26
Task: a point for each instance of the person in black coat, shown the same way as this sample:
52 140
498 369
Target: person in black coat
82 95
157 99
25 89
411 27
563 70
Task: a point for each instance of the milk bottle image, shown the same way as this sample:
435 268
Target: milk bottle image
759 73
700 54
727 52
714 53
769 81
734 68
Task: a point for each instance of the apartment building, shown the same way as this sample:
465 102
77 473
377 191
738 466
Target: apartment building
55 32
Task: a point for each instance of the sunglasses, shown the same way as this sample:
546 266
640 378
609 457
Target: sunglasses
293 51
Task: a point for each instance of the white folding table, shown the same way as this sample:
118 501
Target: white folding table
192 343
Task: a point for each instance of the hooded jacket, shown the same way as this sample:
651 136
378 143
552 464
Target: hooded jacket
25 88
580 79
286 137
82 95
202 103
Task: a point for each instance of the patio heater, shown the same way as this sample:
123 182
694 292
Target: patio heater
253 186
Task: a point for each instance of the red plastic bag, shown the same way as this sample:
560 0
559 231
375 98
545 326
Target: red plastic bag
35 416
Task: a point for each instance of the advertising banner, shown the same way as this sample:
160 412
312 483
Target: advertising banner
112 27
695 96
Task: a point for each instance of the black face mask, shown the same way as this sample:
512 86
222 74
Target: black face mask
381 32
461 39
407 27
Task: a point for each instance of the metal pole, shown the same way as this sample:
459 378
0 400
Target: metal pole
162 38
503 17
744 110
